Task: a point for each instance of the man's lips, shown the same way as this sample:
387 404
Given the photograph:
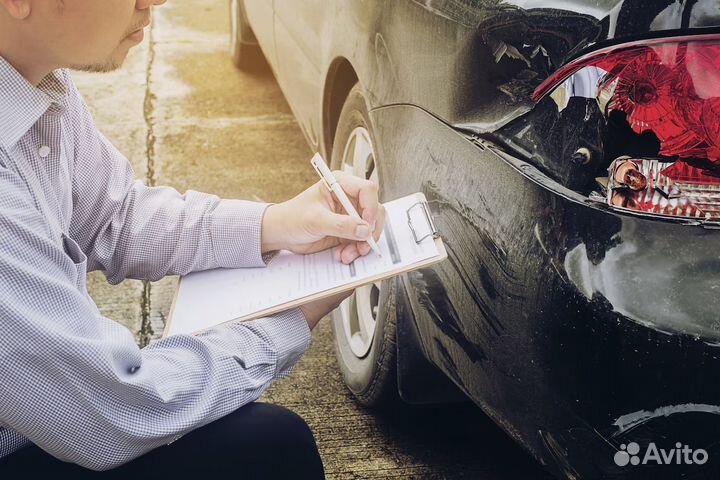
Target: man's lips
139 34
142 27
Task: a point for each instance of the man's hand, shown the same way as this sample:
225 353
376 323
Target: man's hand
315 311
315 220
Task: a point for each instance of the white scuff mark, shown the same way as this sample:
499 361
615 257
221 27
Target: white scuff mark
577 267
541 49
670 18
453 11
598 9
553 262
560 97
634 419
502 49
584 83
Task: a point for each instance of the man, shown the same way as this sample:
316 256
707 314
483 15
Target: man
76 393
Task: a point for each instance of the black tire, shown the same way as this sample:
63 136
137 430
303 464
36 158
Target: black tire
244 49
372 378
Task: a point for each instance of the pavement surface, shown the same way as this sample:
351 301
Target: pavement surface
185 117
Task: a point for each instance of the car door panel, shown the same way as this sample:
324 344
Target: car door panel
298 33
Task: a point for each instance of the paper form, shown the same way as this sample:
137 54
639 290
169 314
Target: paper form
216 296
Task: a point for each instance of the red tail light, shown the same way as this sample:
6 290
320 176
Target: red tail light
671 189
670 87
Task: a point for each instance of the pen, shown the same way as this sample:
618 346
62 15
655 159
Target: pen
333 185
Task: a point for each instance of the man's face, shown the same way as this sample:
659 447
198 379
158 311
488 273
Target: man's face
92 35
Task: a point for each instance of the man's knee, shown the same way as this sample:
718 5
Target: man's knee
277 423
262 440
281 439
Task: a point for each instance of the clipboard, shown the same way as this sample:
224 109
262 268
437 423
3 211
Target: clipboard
419 220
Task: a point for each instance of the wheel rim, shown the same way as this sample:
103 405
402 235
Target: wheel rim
359 311
234 27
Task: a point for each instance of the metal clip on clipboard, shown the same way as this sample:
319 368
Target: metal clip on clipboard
426 212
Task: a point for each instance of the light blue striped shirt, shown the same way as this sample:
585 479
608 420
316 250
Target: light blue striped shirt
71 381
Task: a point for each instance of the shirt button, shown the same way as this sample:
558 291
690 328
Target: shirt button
44 151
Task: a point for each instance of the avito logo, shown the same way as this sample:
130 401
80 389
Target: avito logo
680 455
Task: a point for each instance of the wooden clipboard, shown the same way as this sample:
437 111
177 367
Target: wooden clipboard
421 206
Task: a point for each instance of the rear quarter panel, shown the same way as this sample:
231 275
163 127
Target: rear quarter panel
561 319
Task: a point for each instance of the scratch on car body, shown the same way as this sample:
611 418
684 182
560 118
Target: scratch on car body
632 420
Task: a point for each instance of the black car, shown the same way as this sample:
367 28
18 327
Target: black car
570 153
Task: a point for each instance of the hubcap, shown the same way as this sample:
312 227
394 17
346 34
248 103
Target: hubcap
359 311
234 13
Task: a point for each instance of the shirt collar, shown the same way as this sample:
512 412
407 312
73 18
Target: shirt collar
22 104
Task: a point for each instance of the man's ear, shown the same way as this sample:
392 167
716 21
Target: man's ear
18 9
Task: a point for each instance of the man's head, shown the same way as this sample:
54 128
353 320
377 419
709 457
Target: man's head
38 36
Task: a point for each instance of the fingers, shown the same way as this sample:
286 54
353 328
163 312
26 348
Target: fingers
343 226
369 204
363 248
348 250
326 195
352 233
379 223
363 193
348 253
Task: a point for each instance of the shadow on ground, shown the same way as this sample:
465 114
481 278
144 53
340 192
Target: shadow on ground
453 441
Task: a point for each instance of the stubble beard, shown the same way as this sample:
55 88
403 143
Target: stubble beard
113 62
104 67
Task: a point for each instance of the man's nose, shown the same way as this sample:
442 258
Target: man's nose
145 4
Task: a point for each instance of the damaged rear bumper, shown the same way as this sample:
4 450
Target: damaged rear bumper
578 329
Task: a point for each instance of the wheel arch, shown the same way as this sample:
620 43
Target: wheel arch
417 380
341 77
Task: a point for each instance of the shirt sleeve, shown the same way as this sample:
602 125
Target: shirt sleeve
76 384
130 230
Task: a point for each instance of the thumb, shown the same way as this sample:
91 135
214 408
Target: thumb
344 226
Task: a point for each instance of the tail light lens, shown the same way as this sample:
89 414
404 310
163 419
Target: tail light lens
668 189
670 88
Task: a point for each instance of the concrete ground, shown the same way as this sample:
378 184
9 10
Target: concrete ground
185 117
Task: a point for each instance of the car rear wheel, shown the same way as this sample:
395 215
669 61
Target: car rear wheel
244 48
364 324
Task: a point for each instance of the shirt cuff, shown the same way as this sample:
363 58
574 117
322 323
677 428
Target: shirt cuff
290 334
235 230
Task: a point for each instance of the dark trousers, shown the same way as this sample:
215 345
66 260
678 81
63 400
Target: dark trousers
257 441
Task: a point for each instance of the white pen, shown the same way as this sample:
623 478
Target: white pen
333 185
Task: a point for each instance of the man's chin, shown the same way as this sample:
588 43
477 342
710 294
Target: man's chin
108 66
